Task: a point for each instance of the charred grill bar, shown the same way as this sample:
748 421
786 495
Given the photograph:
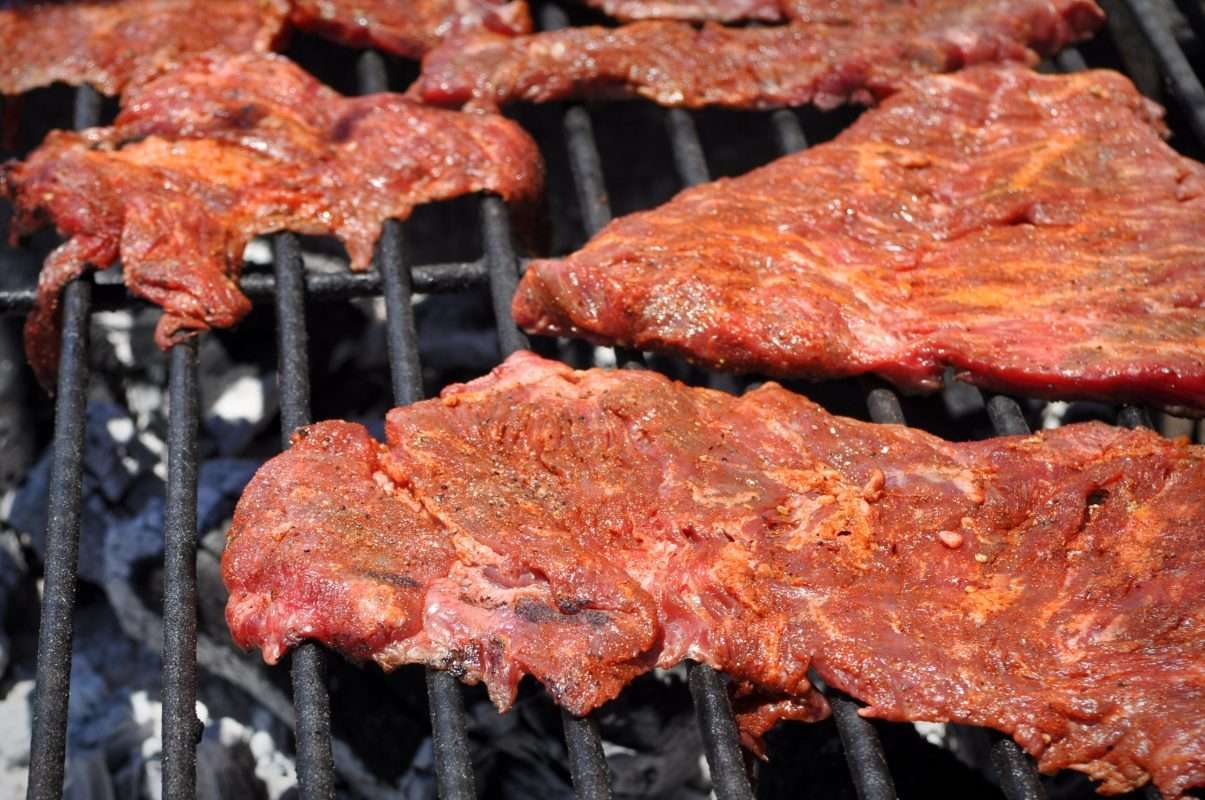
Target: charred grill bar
48 747
395 279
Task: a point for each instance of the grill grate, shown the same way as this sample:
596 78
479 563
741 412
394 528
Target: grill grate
395 279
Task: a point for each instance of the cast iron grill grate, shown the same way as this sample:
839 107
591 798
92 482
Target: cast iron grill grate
395 280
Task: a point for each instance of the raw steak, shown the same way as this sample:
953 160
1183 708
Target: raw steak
584 527
223 149
822 58
408 27
1034 232
106 42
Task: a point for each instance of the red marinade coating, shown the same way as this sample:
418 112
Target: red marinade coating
584 527
106 43
832 12
691 10
222 149
826 62
1034 232
408 27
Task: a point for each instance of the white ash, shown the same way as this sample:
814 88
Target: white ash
117 329
1053 414
242 399
258 251
226 749
604 357
16 722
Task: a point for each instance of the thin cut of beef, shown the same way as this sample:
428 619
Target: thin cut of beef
831 12
408 27
1034 232
222 149
821 58
105 43
584 527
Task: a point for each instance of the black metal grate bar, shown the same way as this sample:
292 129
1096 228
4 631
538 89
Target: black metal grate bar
450 744
863 750
1016 771
586 167
884 407
1174 64
181 728
729 779
449 738
689 157
48 744
587 762
788 133
319 286
1006 417
720 739
311 703
503 270
405 371
1070 60
292 339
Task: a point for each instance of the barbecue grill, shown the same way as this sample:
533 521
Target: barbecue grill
395 279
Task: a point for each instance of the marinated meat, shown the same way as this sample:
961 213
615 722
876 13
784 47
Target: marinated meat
405 27
1034 232
106 42
223 149
584 527
821 58
832 12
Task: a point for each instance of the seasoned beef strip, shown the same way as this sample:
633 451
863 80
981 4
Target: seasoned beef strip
408 27
1034 232
105 43
222 149
822 58
832 12
584 527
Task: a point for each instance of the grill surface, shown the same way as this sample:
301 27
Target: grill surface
395 279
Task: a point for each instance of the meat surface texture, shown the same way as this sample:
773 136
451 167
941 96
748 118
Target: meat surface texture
830 12
222 149
584 527
827 56
691 10
405 27
1033 232
105 43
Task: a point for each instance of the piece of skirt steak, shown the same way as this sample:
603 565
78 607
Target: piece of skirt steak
408 27
831 12
1034 232
584 527
225 148
106 43
820 58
